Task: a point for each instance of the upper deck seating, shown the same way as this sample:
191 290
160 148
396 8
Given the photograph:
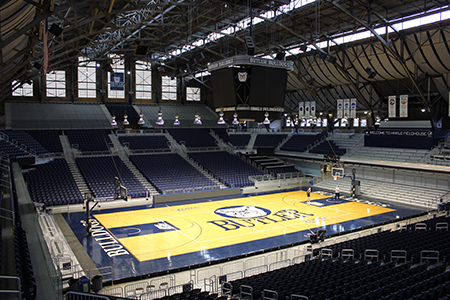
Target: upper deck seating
193 137
89 140
145 142
171 173
25 139
269 140
300 142
227 167
49 139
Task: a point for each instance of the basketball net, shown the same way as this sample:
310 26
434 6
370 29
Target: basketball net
335 177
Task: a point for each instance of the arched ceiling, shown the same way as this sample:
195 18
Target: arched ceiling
413 61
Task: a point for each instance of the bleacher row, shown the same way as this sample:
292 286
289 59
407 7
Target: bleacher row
334 279
99 172
48 141
333 274
18 247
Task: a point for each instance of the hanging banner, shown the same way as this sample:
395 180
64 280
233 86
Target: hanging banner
117 82
301 110
340 108
45 42
353 108
403 106
313 108
307 107
346 108
392 103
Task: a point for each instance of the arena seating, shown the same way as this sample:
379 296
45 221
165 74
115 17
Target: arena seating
171 173
269 140
281 170
327 147
229 168
300 142
53 184
393 154
222 133
240 140
49 139
412 240
119 110
13 151
25 139
346 279
24 268
193 137
137 142
89 140
100 171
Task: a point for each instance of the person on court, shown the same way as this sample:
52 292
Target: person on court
336 196
308 196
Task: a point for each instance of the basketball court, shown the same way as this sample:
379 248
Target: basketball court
142 240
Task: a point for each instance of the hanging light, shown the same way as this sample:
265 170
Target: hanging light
266 119
198 119
113 121
125 120
221 121
160 120
177 121
141 119
235 120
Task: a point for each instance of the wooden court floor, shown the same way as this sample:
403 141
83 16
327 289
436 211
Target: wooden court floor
145 240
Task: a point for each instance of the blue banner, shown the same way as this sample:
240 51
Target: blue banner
117 82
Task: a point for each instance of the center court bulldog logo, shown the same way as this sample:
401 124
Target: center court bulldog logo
242 212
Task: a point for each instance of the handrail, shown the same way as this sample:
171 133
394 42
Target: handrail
85 296
18 291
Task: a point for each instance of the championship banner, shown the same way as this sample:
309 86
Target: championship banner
353 108
301 109
392 102
403 106
307 107
346 108
340 108
45 42
313 108
117 82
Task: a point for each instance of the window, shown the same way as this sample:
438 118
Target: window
192 94
86 78
56 84
169 88
117 90
24 90
143 80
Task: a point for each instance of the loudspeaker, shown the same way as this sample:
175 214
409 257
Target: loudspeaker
55 29
249 45
280 56
141 50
